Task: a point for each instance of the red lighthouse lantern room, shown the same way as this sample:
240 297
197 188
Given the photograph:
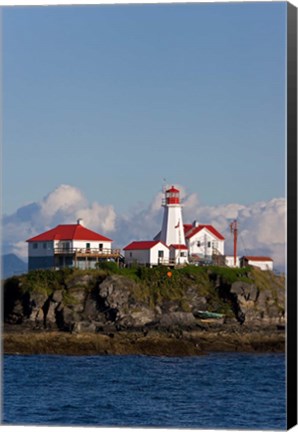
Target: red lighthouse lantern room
172 196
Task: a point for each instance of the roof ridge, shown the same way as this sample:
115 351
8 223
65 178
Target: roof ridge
69 232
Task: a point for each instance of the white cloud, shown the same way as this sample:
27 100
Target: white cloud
20 249
262 228
63 205
97 217
63 200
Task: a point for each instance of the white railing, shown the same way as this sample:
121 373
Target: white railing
91 251
165 261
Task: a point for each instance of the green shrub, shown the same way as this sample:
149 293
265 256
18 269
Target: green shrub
109 266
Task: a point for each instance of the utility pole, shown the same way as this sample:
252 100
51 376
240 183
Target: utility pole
234 231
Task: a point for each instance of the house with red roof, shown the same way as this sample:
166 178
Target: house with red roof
71 245
262 262
203 241
148 252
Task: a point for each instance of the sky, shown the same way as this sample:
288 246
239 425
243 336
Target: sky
102 103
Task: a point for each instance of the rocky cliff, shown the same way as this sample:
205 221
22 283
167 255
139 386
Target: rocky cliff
111 300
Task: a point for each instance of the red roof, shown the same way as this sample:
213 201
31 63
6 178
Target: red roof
210 228
257 258
142 245
173 189
179 246
69 232
187 227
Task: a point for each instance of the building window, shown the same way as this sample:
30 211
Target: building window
88 247
65 245
199 243
100 246
44 245
130 254
209 244
183 254
160 254
35 245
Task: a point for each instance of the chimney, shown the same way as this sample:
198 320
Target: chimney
80 221
195 223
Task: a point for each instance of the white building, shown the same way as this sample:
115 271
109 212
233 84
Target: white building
150 252
172 231
186 243
229 261
203 241
262 262
178 254
70 245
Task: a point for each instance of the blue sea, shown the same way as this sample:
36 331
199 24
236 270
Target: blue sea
241 391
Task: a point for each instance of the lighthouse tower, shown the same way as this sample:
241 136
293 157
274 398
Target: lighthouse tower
172 232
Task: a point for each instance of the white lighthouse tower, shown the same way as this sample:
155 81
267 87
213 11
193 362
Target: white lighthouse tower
172 232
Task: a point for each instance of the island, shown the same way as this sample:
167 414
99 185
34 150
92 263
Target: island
138 310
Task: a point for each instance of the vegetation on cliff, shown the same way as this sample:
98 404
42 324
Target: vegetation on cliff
157 304
185 289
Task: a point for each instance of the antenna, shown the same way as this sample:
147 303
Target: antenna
164 185
234 231
164 189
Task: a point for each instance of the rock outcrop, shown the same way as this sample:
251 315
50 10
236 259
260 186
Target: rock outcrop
83 303
259 307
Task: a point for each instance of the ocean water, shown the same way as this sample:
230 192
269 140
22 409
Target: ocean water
211 391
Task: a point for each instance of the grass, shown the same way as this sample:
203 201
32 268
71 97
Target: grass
230 275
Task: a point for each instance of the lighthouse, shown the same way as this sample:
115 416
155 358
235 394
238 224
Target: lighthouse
172 232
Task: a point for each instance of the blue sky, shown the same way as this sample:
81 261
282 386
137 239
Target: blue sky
112 99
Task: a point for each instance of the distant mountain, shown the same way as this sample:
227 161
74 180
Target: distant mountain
12 265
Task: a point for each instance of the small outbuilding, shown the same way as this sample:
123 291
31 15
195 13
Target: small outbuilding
262 262
230 261
148 252
178 254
